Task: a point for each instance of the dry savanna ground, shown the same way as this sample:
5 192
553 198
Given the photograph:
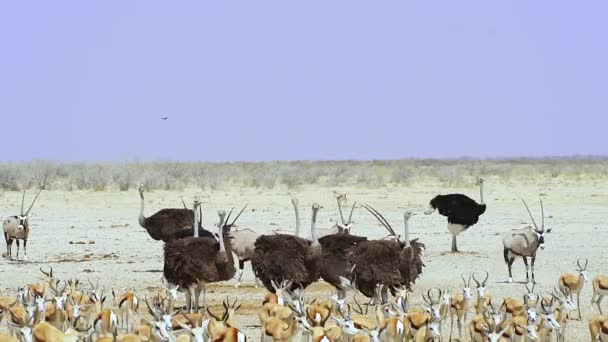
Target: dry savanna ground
95 235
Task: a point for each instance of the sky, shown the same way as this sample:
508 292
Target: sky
293 80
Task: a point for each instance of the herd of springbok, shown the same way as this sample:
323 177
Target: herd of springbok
379 274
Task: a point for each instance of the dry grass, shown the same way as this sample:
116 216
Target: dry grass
290 174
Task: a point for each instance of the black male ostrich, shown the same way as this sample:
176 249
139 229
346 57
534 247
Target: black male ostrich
462 212
386 264
170 223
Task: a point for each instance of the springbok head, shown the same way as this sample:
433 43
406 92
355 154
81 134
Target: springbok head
281 289
540 231
582 269
25 216
549 314
346 321
466 287
433 302
531 308
197 332
530 297
481 285
563 297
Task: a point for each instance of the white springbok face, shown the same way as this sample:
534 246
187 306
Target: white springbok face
434 312
162 331
481 292
60 301
532 314
434 329
531 297
173 291
467 293
167 321
495 336
347 325
40 303
584 275
550 321
25 333
531 332
447 298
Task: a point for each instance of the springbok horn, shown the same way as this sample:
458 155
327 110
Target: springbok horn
214 316
475 279
34 201
486 279
530 213
463 280
183 202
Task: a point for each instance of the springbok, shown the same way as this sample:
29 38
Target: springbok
460 306
525 242
18 228
600 289
575 283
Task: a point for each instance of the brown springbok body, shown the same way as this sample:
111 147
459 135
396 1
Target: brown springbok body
574 283
600 289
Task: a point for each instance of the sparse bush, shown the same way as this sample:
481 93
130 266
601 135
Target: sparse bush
292 174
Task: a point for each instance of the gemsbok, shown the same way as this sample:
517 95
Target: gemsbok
525 242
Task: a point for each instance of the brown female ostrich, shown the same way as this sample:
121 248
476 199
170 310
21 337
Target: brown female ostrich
170 223
193 262
284 257
334 258
386 263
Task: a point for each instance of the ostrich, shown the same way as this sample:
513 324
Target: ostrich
18 228
193 262
170 223
284 257
462 212
387 264
335 250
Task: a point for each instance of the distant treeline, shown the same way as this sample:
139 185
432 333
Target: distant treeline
123 176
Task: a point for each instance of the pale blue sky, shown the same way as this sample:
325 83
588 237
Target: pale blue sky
265 80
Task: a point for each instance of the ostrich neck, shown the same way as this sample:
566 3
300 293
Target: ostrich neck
142 218
481 192
196 222
313 230
220 234
406 232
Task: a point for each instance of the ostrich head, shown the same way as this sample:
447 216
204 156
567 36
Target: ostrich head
141 190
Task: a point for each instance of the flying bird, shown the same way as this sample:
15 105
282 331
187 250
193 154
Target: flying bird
164 117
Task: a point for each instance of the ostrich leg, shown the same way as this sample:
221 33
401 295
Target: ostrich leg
189 300
454 243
